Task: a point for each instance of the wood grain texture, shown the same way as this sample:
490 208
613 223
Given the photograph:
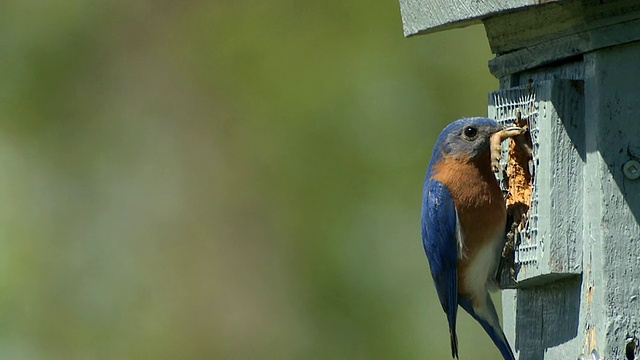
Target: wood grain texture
536 25
543 322
424 16
612 207
560 176
565 47
555 32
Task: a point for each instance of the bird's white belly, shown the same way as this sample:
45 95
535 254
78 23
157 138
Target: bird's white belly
481 269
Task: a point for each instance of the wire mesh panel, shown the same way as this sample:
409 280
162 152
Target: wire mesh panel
519 106
530 176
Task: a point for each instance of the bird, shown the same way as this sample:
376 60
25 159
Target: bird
463 222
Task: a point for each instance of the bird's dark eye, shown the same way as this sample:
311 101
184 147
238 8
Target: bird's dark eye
470 131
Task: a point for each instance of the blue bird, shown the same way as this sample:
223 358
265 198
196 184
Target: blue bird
463 223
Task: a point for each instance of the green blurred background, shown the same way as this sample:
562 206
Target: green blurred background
224 180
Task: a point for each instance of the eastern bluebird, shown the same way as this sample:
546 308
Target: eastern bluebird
463 223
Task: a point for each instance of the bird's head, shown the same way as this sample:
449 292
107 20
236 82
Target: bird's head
470 138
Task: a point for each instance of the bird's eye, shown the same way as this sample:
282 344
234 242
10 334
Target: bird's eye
470 131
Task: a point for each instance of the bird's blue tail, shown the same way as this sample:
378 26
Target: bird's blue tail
488 318
454 342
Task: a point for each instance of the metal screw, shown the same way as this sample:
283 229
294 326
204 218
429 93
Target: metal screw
631 169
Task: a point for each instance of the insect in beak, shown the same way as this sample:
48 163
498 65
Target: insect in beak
496 140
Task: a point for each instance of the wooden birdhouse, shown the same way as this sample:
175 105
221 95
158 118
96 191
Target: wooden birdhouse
570 72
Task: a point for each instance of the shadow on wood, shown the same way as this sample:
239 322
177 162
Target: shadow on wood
547 316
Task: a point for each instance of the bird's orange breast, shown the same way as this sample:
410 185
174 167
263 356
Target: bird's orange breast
479 203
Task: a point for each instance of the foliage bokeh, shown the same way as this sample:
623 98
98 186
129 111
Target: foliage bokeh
224 180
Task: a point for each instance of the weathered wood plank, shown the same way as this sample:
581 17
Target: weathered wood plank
565 47
425 16
539 24
572 70
543 322
612 207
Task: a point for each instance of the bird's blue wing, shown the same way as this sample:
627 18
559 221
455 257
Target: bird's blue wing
441 245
